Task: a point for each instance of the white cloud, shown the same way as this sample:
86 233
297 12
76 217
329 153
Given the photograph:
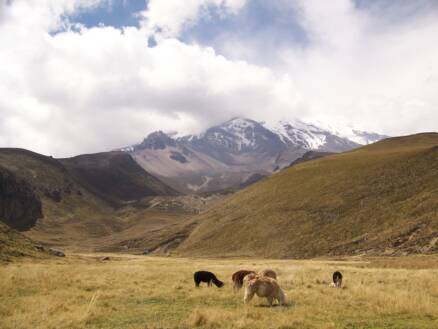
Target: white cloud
100 88
95 89
359 68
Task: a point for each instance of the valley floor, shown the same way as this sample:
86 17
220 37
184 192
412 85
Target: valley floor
127 291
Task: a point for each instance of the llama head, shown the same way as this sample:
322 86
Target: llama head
219 283
282 297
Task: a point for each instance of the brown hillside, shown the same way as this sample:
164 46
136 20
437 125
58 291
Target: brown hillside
115 177
78 198
379 199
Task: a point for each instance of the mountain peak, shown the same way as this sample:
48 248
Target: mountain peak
241 135
239 122
157 140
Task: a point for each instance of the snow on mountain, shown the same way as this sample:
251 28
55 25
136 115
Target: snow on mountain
299 133
242 130
310 136
364 137
352 133
227 154
128 149
233 141
242 134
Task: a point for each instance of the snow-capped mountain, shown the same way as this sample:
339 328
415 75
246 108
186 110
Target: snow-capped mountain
231 140
228 154
311 137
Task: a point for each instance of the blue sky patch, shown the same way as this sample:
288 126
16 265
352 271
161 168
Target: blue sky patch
258 18
117 13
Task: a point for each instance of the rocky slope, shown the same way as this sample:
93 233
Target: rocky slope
20 207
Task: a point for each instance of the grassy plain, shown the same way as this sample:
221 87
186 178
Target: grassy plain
128 291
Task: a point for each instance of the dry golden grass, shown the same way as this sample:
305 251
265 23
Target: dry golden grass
150 292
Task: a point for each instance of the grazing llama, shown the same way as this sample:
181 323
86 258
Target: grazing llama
208 277
337 280
264 287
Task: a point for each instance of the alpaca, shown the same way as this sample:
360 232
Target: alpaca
264 287
208 277
238 278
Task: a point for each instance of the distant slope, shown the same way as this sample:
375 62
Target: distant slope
379 199
61 197
115 177
48 178
252 180
94 202
70 212
76 197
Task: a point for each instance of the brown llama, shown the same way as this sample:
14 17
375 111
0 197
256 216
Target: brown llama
264 287
238 278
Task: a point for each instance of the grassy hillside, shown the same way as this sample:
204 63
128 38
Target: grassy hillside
14 244
64 201
80 201
111 176
379 199
45 174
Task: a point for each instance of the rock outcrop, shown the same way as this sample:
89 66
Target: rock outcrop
20 207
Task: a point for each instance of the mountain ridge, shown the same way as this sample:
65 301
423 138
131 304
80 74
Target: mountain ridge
226 155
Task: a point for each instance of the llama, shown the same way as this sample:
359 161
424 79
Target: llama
337 280
208 277
264 287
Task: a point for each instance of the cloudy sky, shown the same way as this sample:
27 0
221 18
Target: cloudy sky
81 76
